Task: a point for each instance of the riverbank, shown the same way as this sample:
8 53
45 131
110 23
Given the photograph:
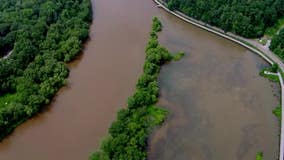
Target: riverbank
100 80
135 123
37 66
255 47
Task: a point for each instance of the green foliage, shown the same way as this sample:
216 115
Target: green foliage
158 114
43 36
271 31
144 81
173 5
178 56
6 99
273 69
152 43
272 78
277 44
259 156
99 156
278 112
141 98
246 18
128 134
156 26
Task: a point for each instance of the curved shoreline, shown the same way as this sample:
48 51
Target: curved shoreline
267 55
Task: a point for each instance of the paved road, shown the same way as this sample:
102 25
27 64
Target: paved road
250 44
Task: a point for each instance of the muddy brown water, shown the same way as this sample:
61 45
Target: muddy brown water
99 84
220 107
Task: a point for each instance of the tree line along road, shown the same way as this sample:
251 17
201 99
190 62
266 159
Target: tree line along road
264 52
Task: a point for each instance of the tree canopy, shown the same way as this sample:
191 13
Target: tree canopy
128 134
277 44
42 35
244 17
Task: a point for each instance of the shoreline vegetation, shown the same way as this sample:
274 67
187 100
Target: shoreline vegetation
249 19
196 10
270 73
277 112
44 36
186 11
270 32
247 43
259 156
277 44
128 135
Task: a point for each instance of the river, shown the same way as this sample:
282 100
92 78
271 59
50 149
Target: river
100 82
220 108
215 95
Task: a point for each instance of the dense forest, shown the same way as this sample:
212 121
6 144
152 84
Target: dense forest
128 134
43 35
277 44
244 17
